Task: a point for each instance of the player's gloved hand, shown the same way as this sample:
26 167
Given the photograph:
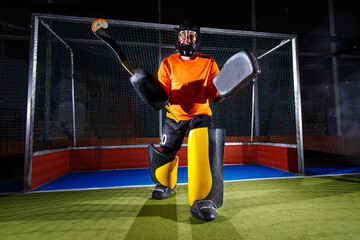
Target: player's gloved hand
148 88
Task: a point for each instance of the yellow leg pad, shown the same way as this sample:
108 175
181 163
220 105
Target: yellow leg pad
199 172
167 173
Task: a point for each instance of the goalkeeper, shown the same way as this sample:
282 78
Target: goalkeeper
187 78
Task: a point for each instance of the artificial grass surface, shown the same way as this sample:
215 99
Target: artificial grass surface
297 208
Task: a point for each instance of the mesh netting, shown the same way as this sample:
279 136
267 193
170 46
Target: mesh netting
109 112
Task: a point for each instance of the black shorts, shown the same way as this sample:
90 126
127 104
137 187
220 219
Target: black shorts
173 133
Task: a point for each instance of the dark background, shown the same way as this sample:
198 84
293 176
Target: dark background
309 20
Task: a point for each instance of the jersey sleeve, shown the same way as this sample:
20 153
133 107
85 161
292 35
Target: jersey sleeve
164 76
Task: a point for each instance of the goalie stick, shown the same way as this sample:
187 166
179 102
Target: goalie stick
98 27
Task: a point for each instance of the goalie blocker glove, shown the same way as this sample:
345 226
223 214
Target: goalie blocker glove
148 88
238 70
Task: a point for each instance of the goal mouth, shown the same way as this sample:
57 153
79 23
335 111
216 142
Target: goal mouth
74 73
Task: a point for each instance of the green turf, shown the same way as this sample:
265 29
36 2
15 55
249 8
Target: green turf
298 208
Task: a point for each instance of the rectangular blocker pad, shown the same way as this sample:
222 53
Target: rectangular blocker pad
236 72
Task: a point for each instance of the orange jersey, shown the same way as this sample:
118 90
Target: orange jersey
189 84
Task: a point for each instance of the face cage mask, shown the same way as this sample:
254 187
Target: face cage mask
188 42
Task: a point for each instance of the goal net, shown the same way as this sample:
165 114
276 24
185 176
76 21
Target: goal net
82 95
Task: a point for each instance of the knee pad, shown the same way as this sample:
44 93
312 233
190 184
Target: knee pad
163 167
205 165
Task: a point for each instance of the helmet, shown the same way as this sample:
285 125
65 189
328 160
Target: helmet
188 38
